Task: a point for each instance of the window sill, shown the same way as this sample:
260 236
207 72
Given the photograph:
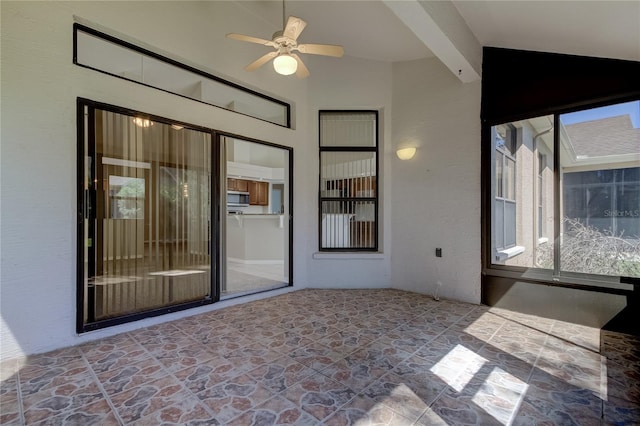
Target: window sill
509 253
348 255
543 240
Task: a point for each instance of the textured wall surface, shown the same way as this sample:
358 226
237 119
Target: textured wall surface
432 201
435 197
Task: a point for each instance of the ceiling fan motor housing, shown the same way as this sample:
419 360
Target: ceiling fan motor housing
283 41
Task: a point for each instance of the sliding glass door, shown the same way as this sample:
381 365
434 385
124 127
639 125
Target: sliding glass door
146 217
565 193
257 254
172 216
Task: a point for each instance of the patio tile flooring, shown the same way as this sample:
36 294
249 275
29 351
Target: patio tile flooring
335 357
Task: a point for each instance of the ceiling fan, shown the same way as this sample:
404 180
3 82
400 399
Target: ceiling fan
285 60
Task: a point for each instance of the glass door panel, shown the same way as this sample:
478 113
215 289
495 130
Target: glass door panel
600 184
257 227
147 222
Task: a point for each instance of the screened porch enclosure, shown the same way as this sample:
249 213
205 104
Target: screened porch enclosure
147 189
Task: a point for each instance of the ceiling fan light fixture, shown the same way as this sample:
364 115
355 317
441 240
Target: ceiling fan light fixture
285 64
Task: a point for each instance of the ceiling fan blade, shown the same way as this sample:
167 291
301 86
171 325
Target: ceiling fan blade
294 27
322 49
250 39
302 71
261 61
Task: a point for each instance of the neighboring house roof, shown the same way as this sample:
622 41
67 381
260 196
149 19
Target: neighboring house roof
604 137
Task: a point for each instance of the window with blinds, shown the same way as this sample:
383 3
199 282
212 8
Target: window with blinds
348 216
146 232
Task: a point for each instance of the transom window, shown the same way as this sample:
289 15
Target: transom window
104 53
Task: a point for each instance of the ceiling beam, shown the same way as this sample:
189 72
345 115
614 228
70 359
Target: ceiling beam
440 27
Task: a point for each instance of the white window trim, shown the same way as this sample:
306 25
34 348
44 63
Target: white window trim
509 253
348 255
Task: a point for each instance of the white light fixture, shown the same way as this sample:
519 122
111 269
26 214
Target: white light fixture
177 127
406 153
142 122
285 64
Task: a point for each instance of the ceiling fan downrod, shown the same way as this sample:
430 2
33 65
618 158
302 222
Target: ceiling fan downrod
283 15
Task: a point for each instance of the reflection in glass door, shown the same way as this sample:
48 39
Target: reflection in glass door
257 228
146 219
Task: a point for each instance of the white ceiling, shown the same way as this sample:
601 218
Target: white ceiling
369 29
365 28
608 29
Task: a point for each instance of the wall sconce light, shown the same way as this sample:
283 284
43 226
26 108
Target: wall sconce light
285 64
142 122
406 153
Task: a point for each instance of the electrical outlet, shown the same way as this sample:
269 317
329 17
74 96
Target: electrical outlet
438 252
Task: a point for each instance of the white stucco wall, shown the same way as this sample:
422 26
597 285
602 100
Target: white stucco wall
40 85
435 197
432 201
359 84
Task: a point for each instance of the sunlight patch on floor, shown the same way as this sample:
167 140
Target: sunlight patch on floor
458 367
500 395
400 406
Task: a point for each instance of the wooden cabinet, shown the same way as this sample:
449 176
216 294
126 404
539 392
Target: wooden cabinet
237 185
258 193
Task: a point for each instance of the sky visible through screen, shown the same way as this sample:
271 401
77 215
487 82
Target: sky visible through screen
628 108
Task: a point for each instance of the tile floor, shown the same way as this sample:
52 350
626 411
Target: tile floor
335 357
246 278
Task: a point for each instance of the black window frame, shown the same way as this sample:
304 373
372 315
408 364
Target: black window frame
547 84
375 200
